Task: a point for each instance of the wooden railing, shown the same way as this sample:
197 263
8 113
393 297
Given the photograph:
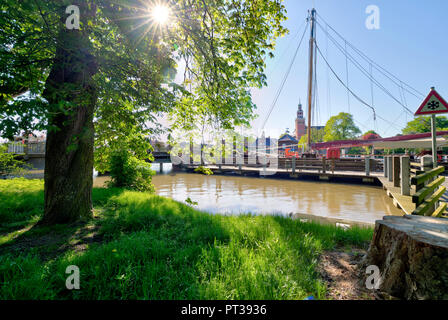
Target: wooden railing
326 165
30 148
36 148
429 190
295 165
16 147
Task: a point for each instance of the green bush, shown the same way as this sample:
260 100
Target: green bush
8 162
203 170
129 172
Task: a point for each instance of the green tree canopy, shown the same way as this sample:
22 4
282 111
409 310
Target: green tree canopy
116 72
317 135
423 124
341 127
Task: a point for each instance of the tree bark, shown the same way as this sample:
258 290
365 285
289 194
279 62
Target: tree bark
411 253
71 94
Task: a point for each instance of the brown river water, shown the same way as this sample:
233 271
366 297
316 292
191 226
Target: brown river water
236 195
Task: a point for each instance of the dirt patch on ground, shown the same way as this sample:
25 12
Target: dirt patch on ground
340 270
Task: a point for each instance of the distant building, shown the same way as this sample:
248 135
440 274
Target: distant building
287 141
301 128
300 124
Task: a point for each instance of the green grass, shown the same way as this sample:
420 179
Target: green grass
151 247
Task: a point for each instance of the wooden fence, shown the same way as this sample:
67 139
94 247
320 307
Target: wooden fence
420 178
429 190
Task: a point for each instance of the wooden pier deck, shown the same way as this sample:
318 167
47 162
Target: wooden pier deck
400 201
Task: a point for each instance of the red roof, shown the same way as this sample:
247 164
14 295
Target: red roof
371 136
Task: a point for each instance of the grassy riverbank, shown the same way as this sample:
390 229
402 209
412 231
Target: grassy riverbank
141 246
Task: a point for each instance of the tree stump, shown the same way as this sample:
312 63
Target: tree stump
411 253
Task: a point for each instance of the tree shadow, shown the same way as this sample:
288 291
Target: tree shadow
50 242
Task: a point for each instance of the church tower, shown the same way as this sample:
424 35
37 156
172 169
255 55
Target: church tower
300 123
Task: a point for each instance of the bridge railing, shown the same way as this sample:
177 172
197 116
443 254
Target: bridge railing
16 147
36 148
30 148
294 165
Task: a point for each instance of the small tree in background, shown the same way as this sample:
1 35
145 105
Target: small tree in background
341 127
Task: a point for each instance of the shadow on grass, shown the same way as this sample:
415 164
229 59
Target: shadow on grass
49 241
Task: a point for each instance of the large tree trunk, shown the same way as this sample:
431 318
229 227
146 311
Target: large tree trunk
71 94
411 253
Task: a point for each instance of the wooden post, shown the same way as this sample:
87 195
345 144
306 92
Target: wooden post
389 169
396 170
405 172
246 151
202 154
191 151
367 163
332 165
385 163
234 151
223 153
256 151
427 163
161 167
293 165
324 165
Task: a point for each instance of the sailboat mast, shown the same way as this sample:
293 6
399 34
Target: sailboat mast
310 73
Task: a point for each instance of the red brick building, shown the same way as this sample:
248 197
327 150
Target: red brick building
300 124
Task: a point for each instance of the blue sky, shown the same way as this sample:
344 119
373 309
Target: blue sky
411 44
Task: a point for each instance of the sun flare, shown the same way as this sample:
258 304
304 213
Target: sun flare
161 14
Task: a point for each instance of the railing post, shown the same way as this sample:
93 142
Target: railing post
324 164
223 154
256 152
191 151
202 154
426 163
405 171
246 151
234 151
389 169
293 165
367 163
396 169
385 166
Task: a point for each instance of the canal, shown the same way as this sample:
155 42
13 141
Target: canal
236 195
